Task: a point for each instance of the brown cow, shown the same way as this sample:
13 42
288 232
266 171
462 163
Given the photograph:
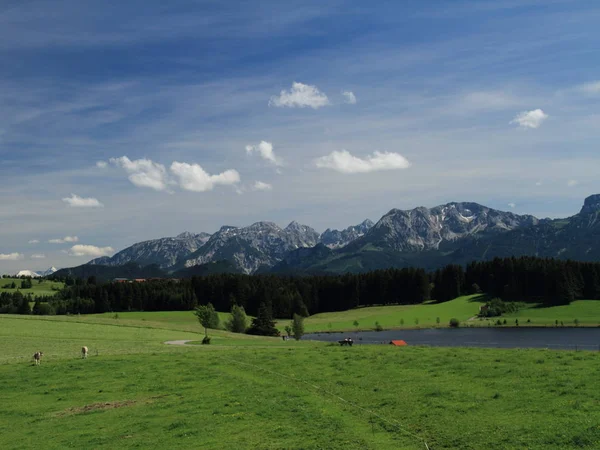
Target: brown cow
84 352
37 357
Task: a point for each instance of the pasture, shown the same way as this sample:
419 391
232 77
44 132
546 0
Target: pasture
45 288
251 392
397 316
587 312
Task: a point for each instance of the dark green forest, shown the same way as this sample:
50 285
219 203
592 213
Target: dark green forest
547 281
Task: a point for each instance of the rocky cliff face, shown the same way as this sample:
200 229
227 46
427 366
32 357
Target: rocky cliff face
423 229
165 251
337 239
259 245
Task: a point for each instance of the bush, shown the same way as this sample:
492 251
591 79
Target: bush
206 340
238 323
298 326
42 309
497 307
454 323
378 327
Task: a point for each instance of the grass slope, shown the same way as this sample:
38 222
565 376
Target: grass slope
46 287
139 393
586 311
461 308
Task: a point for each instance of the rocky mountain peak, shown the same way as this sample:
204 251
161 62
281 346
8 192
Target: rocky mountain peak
185 235
591 204
367 223
336 239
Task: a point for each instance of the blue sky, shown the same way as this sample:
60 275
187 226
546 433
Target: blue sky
126 122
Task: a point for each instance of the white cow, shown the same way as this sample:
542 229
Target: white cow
37 357
84 352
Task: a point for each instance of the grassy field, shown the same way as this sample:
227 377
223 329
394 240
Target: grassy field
587 312
401 316
251 392
46 287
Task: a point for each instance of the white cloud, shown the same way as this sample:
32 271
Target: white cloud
572 183
143 172
38 256
11 256
34 241
90 250
538 183
530 119
261 186
344 162
101 164
349 97
265 149
192 177
79 202
66 239
300 96
590 88
512 205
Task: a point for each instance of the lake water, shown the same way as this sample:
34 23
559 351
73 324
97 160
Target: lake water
552 338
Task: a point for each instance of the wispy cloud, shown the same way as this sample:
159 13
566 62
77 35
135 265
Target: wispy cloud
265 150
76 201
300 96
34 241
343 161
38 256
530 119
192 177
572 183
143 172
101 164
512 205
592 88
90 250
261 186
11 256
349 97
65 240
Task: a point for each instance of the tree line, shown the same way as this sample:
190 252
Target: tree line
547 281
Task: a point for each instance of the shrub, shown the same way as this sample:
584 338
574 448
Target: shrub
454 323
238 321
576 322
378 327
205 340
298 326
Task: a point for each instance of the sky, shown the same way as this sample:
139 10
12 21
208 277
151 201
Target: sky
127 121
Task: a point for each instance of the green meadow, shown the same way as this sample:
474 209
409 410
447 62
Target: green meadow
45 288
248 392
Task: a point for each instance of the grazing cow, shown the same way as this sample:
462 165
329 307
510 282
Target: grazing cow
37 357
84 352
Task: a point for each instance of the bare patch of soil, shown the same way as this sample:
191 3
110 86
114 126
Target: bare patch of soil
100 406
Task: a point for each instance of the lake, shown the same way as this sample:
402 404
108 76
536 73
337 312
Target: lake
552 338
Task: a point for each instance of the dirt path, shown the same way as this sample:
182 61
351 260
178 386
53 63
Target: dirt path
180 342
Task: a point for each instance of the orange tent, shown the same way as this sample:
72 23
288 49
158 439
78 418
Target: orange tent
398 343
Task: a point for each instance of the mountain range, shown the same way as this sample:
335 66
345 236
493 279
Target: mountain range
32 274
456 232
